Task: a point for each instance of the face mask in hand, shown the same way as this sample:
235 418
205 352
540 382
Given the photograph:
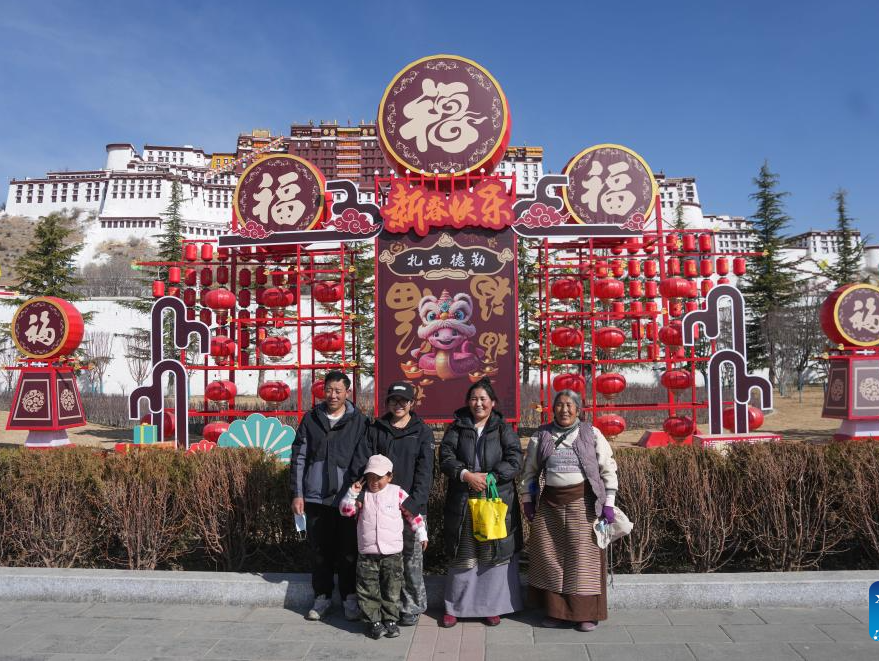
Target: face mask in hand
299 522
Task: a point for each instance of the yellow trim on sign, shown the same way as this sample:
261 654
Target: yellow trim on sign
567 171
314 170
50 300
415 169
836 315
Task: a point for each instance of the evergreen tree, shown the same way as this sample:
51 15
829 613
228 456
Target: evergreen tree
769 282
364 306
528 309
679 222
850 250
47 267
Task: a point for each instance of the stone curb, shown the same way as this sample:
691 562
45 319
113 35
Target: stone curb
748 590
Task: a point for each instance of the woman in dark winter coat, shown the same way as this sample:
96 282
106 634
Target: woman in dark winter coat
407 441
483 577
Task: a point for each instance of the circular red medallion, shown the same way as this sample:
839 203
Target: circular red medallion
850 315
280 193
46 327
609 185
444 114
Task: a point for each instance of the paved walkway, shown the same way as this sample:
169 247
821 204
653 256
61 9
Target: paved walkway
56 631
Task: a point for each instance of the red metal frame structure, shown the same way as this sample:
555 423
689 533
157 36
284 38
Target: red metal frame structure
295 269
688 254
447 185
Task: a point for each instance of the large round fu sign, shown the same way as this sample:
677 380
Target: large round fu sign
444 114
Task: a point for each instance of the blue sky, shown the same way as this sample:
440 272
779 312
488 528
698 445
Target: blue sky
706 89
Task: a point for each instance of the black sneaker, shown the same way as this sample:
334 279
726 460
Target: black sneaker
391 630
408 620
376 630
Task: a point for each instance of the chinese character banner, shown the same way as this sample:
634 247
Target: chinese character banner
447 316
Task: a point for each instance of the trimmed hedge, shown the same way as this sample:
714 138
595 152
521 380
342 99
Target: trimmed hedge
786 506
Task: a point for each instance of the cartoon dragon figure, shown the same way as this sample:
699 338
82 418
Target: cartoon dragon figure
445 326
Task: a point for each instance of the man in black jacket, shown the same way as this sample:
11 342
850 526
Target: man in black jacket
329 445
407 441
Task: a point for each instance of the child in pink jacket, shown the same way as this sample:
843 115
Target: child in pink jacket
380 523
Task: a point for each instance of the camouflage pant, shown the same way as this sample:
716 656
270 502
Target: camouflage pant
379 578
413 598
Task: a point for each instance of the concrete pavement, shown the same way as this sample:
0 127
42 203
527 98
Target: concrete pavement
46 630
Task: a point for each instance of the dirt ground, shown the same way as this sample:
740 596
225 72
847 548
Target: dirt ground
791 419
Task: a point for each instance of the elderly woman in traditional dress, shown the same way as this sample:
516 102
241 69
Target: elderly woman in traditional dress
483 577
566 568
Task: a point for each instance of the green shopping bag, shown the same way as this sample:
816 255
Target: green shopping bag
489 514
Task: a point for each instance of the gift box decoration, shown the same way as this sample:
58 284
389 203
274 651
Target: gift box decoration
145 434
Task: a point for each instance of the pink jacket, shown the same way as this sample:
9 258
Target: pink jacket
380 524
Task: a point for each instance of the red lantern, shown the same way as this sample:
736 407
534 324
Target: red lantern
673 266
691 306
617 268
705 243
328 342
190 277
600 269
691 268
650 269
262 276
610 384
565 336
636 307
649 246
610 425
275 346
566 288
222 254
689 241
635 290
632 246
672 334
190 252
220 391
205 316
207 276
277 298
738 266
654 352
189 296
722 266
174 291
671 243
652 307
243 298
637 330
277 278
676 379
244 337
706 268
675 308
706 286
174 275
274 391
723 281
328 291
168 423
651 289
609 338
678 427
608 289
318 391
207 252
617 249
222 346
158 289
569 381
222 275
244 276
755 418
220 299
673 288
213 430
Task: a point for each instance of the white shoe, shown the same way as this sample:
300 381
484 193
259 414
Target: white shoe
352 609
320 608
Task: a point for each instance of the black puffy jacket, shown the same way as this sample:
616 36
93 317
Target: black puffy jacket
501 455
410 449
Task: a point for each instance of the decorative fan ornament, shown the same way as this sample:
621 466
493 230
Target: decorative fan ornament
258 431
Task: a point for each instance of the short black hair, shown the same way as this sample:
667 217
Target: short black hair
483 384
335 375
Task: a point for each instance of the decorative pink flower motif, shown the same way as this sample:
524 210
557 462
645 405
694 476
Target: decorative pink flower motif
253 230
351 221
541 215
635 222
203 445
